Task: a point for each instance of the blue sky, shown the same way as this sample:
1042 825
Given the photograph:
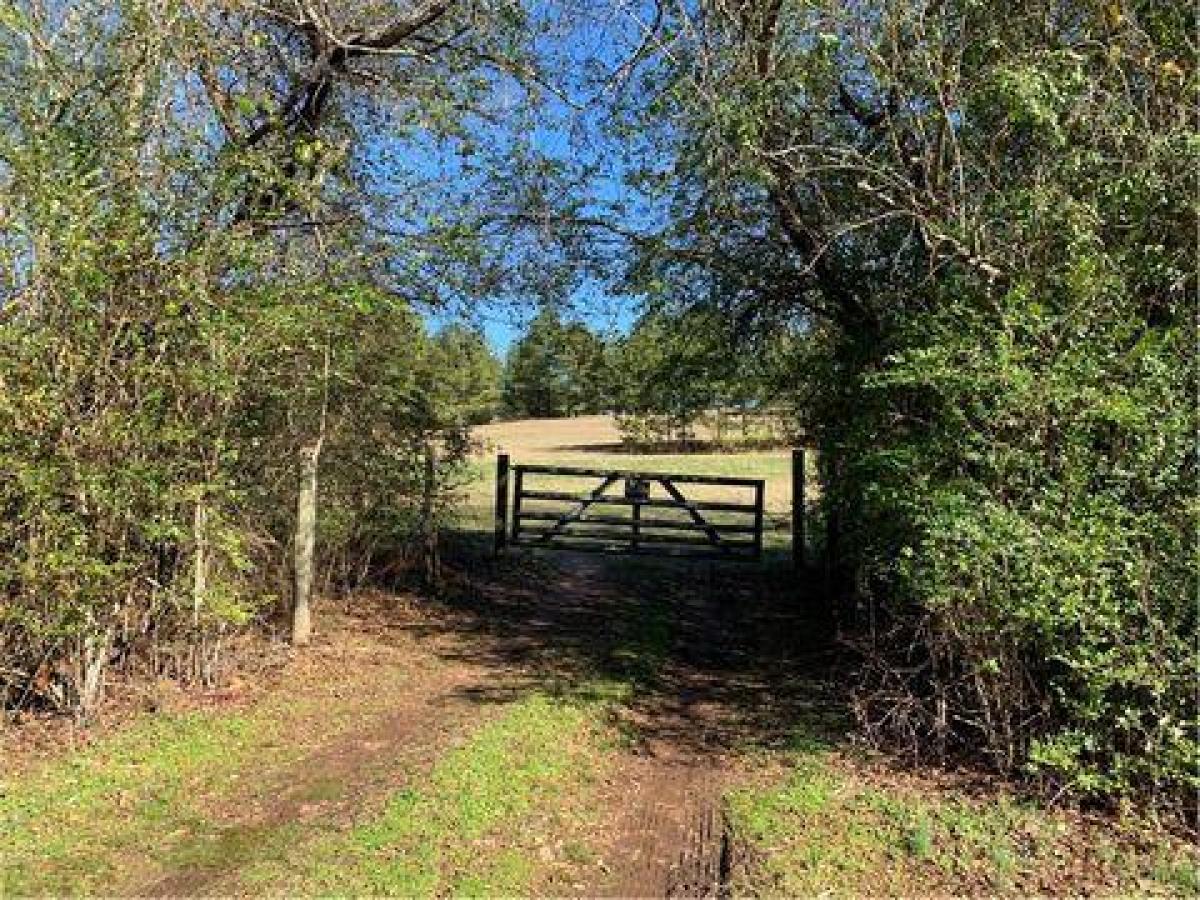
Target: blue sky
502 325
578 46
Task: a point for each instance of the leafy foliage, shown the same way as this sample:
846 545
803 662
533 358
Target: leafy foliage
677 371
556 369
200 290
987 215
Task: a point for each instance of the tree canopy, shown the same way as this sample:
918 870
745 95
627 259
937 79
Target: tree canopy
219 224
954 240
985 213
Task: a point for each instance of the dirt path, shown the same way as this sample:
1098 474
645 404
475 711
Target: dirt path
671 661
339 780
714 671
667 838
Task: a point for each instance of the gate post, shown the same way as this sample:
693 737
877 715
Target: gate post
760 490
429 514
636 525
799 501
501 502
837 607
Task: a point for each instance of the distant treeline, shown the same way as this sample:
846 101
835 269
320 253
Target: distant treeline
671 377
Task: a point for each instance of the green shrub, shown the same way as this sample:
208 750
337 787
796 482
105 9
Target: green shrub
987 216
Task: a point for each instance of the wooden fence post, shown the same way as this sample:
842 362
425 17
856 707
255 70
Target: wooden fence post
429 513
760 503
799 501
306 542
635 514
518 491
501 502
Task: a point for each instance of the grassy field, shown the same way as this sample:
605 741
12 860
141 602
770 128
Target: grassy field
594 442
364 768
819 817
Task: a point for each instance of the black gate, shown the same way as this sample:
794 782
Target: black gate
646 513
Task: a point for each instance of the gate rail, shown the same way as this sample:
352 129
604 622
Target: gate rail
736 534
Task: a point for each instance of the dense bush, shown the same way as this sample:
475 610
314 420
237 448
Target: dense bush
987 213
214 388
150 464
1025 520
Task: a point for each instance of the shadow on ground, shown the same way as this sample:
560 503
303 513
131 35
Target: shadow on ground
722 657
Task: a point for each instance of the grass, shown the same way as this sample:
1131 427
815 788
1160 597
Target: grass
139 800
506 813
832 823
648 631
476 824
70 827
187 798
559 442
138 806
509 806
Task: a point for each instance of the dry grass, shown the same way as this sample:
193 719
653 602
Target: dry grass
527 438
594 441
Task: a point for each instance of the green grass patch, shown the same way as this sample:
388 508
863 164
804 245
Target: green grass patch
68 825
768 815
646 637
472 826
827 824
135 801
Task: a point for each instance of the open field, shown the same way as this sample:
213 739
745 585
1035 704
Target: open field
593 441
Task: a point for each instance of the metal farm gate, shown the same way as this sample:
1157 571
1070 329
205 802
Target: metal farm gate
644 513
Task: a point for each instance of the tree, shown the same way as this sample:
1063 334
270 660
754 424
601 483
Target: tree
295 87
555 369
200 256
683 361
983 212
588 377
464 375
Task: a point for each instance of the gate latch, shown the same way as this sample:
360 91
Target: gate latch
637 489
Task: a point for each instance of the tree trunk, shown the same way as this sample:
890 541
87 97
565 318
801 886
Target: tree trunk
432 558
94 652
306 541
306 517
199 588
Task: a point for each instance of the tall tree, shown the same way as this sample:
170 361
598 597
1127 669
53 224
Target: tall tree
301 91
553 369
464 375
587 366
207 209
985 212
